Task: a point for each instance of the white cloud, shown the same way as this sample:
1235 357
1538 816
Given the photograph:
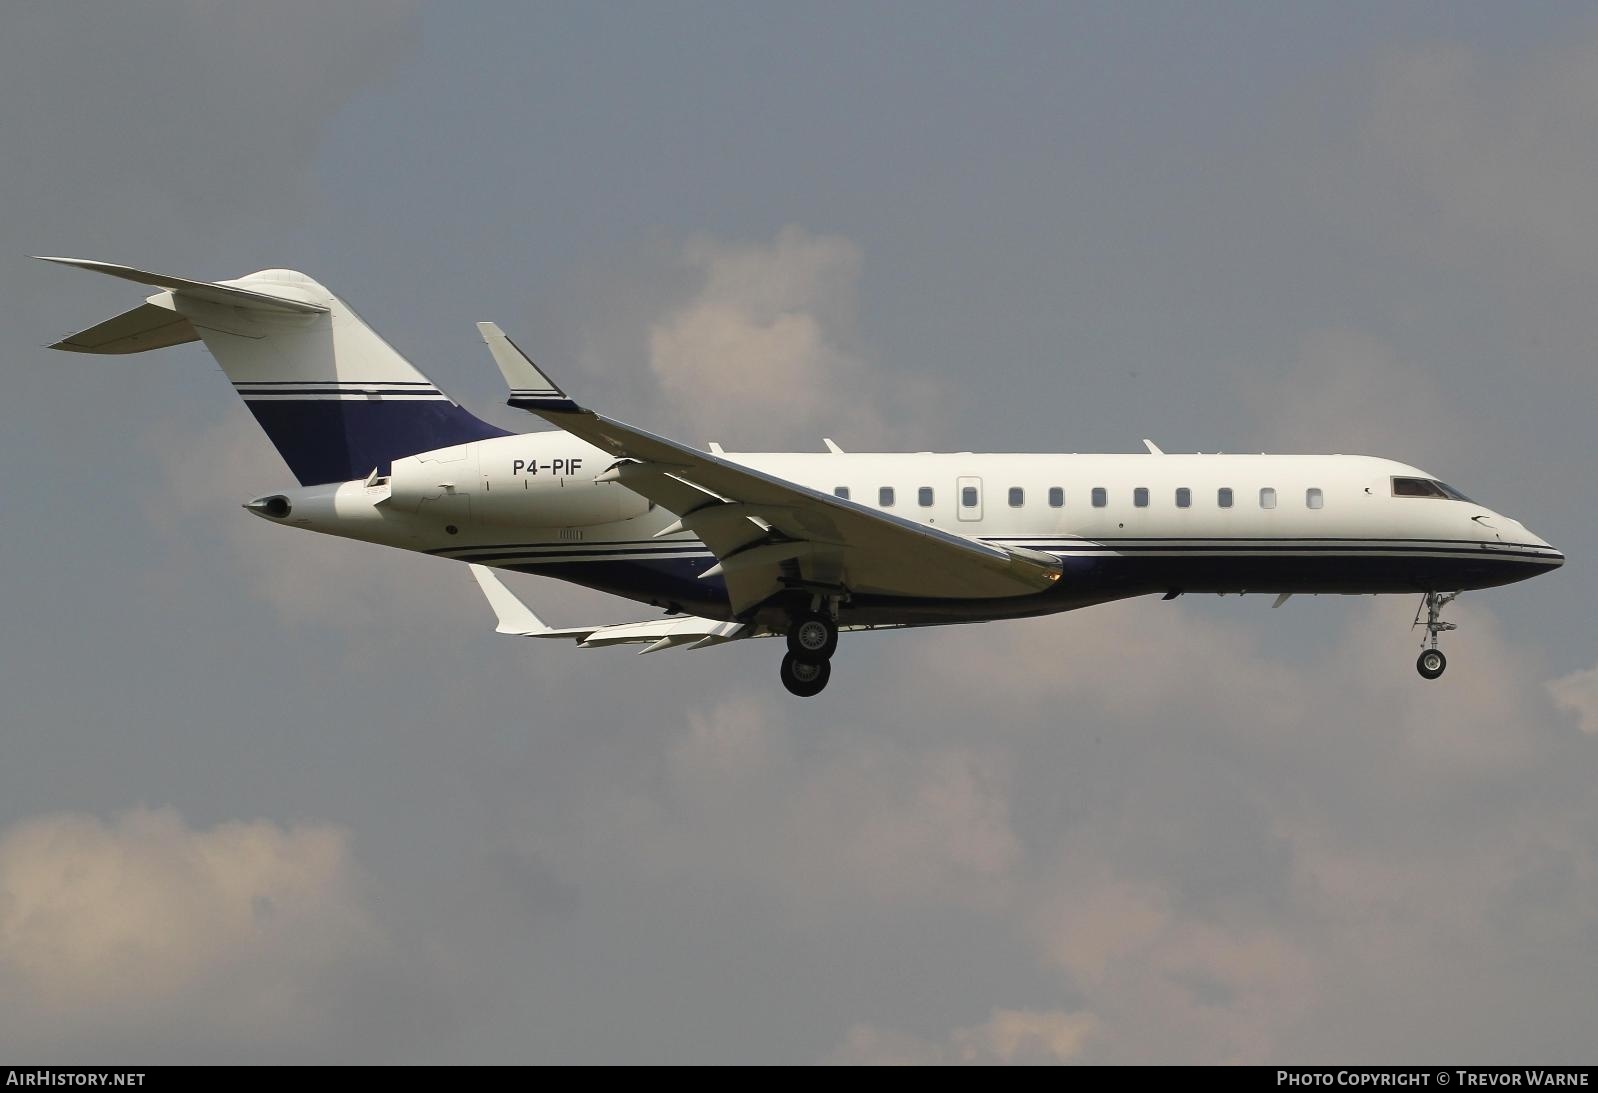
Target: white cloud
251 935
1167 981
765 350
1577 693
761 337
734 740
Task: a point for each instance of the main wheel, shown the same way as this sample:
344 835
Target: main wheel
1431 663
813 637
805 677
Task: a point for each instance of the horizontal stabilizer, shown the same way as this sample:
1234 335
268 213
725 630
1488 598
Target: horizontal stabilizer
514 616
148 326
210 291
517 618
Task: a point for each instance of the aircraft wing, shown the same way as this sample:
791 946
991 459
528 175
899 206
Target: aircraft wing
517 618
769 534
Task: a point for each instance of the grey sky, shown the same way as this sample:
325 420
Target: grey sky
270 797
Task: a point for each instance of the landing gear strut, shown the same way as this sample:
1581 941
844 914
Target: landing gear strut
1431 662
812 639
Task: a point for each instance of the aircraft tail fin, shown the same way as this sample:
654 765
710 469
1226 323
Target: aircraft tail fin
333 397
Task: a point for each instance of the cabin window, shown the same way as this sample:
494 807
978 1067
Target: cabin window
841 491
885 497
1267 497
924 497
1056 497
1314 498
968 497
1017 497
1100 497
1184 497
1140 497
1223 497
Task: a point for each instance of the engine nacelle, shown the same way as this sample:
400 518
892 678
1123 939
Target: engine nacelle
542 480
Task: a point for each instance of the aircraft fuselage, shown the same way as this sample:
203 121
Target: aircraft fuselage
1121 524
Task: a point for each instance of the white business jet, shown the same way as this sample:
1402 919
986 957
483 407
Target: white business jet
801 545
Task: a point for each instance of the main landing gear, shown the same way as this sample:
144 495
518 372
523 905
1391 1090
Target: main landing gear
1431 662
812 639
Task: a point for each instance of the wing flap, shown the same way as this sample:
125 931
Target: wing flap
657 483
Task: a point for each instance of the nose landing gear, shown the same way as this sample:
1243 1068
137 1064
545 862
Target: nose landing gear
812 639
1431 661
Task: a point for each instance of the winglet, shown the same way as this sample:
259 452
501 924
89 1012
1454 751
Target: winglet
515 617
530 389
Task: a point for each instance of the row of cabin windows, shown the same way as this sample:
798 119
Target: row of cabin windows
1313 497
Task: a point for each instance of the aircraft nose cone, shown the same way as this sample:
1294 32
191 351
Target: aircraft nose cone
1504 532
1546 550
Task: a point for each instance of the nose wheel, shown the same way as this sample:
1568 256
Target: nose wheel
812 639
1431 662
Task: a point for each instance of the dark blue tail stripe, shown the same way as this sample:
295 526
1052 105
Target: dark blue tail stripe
326 440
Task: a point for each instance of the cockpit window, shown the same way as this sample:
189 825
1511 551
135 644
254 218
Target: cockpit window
1426 487
1415 487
